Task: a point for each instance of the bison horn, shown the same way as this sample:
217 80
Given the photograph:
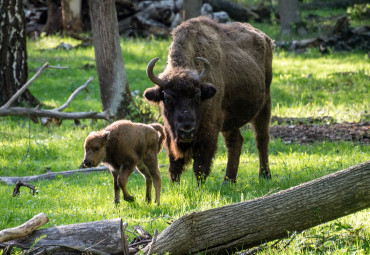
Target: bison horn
207 67
150 73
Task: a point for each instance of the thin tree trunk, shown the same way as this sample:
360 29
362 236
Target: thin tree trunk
115 92
241 226
191 9
71 14
54 21
13 52
289 15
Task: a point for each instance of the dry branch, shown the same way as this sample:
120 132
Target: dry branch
247 224
24 229
6 110
99 237
24 87
51 175
19 184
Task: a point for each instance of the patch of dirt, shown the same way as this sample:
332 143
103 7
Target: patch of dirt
306 132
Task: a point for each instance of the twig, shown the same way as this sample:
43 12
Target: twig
124 241
74 94
25 86
13 180
19 184
153 242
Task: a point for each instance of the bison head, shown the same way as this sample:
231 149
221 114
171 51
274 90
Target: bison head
95 148
180 92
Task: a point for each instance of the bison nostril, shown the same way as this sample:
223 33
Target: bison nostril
86 163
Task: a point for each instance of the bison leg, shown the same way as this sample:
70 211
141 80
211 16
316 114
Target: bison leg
261 125
234 142
176 168
123 175
203 154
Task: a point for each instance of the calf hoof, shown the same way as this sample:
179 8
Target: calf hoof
129 198
265 175
116 201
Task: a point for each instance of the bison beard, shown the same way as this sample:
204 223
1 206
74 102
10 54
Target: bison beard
232 89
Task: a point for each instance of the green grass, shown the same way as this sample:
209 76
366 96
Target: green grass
29 149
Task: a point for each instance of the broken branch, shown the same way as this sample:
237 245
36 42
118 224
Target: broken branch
19 184
24 229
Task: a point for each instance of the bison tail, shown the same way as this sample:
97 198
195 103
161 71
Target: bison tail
162 136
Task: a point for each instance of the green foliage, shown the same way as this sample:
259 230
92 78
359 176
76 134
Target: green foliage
307 85
359 11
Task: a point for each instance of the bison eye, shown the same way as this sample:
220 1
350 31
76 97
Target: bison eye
96 148
167 99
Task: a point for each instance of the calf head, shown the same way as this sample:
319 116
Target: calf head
179 92
95 148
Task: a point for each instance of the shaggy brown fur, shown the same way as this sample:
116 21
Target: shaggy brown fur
235 92
122 146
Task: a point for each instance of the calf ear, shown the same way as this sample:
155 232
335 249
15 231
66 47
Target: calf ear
207 90
104 136
153 94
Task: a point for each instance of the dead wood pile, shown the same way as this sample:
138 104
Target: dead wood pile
340 37
139 17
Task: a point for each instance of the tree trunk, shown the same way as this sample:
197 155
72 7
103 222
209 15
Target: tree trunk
13 52
107 236
244 225
54 21
71 15
114 89
191 9
289 15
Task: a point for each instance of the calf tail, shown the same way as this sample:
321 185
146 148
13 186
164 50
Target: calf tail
162 136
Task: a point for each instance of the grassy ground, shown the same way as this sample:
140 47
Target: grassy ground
307 85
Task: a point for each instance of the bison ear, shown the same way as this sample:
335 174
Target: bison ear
207 90
153 94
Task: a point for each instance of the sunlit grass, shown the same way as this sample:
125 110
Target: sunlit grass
306 85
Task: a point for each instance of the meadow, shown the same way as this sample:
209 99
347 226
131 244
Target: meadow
305 85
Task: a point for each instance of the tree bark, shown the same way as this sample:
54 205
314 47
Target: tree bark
106 236
71 16
191 9
114 89
13 52
24 229
289 15
244 225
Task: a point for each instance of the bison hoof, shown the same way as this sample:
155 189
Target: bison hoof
116 201
228 181
129 198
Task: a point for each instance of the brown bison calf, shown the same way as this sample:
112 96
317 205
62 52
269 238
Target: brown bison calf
122 146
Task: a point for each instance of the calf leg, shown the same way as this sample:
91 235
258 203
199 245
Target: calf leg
261 126
151 164
234 142
116 187
123 175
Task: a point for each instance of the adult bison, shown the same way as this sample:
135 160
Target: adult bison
232 89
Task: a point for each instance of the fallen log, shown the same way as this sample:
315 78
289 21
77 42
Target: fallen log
99 237
240 226
24 229
50 175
